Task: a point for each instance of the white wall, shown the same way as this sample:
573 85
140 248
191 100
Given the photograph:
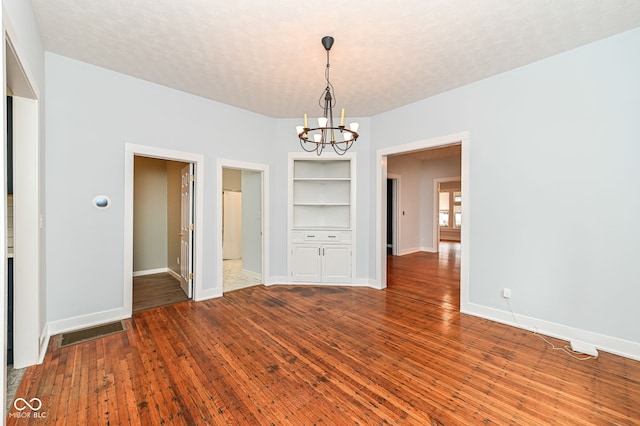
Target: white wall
554 144
252 221
150 210
91 113
431 170
231 179
20 22
410 196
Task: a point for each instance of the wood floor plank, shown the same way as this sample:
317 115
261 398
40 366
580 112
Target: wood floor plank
152 291
291 355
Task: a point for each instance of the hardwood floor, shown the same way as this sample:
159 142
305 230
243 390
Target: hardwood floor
330 355
152 291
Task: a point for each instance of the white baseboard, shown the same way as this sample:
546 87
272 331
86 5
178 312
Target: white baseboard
150 272
206 294
357 282
252 274
366 282
428 249
85 321
276 280
174 274
44 343
409 251
609 344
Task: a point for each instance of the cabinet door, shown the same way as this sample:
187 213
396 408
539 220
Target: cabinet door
306 263
336 263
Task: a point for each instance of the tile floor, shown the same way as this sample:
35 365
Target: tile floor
14 377
234 278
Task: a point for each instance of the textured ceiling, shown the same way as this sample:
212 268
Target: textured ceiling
266 56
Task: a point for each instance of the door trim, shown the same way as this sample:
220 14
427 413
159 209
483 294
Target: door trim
264 172
130 151
381 206
29 328
397 206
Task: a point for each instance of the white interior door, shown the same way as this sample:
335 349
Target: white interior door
186 231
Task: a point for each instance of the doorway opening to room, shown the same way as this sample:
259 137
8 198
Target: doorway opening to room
162 214
449 208
393 213
241 229
242 224
162 232
420 165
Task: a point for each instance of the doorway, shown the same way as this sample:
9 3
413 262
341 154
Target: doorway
242 224
165 163
461 139
241 229
162 232
393 213
25 177
448 209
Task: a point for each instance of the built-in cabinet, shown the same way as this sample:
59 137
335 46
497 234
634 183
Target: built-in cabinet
321 216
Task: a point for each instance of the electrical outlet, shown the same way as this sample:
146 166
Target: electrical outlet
506 293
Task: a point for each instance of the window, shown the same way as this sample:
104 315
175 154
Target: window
444 209
450 208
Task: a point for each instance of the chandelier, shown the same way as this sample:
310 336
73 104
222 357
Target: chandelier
317 138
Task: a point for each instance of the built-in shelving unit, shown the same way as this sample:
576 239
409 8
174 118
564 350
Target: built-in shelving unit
321 199
321 194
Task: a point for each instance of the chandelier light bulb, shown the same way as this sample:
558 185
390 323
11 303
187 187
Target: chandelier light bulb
322 121
347 136
299 129
317 138
354 126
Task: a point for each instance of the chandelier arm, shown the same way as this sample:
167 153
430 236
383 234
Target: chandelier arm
303 143
339 150
346 144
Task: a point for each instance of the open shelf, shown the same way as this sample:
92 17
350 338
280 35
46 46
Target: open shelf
321 169
321 195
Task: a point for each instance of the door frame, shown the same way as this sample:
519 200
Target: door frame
381 206
29 328
131 151
263 169
396 208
